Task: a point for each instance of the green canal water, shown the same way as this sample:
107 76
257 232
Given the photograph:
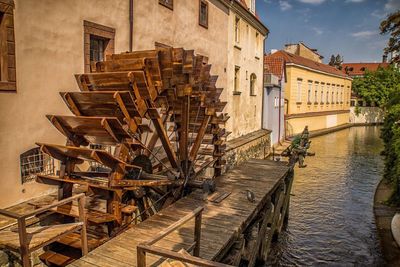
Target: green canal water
331 221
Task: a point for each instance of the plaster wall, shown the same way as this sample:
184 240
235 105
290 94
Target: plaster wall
49 50
317 80
245 109
295 126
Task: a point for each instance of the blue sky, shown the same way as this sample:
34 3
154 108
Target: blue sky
347 27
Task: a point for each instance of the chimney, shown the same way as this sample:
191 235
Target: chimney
384 58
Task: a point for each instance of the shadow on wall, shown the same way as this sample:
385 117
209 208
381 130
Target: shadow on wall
366 115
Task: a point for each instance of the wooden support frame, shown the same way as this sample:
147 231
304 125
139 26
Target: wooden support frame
24 248
148 247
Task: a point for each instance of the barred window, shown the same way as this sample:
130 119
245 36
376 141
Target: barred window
34 162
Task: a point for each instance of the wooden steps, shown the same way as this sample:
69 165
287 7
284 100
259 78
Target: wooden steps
93 216
51 258
74 240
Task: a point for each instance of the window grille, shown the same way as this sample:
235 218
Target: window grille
34 162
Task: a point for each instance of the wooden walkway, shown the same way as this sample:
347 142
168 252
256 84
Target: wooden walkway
221 222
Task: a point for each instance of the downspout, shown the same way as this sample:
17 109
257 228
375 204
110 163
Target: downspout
130 25
279 116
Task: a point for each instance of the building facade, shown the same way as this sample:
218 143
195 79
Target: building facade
45 42
316 94
274 95
246 36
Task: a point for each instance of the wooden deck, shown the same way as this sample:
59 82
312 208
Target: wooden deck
222 222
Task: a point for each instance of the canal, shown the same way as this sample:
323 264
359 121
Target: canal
331 221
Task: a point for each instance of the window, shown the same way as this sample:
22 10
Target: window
34 162
257 43
236 81
352 103
298 100
237 30
203 14
7 47
337 94
327 93
316 94
309 93
97 45
99 42
333 94
322 93
253 79
167 3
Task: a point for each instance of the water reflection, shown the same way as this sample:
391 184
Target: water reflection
331 215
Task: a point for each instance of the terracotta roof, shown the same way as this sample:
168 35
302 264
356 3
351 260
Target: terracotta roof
274 66
298 60
358 69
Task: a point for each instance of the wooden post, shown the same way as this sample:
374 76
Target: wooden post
141 257
197 234
23 243
82 218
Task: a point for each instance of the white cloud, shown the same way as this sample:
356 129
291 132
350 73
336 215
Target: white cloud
392 5
378 14
364 34
318 31
284 5
313 2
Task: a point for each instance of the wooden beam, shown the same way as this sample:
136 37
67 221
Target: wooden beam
199 138
159 126
184 131
71 104
153 140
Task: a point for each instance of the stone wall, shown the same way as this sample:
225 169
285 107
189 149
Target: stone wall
253 145
366 115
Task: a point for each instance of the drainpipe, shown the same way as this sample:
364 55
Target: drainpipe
279 118
130 25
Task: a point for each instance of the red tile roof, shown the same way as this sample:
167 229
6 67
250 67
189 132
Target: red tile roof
358 69
274 66
302 61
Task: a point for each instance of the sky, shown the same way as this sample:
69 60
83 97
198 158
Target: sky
346 27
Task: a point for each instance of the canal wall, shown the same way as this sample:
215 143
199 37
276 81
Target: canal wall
369 115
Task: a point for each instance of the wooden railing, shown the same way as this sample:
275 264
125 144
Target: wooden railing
25 239
149 247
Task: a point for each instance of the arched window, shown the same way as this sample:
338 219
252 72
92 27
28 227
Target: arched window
253 79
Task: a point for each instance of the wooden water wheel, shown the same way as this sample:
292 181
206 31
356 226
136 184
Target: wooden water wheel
145 127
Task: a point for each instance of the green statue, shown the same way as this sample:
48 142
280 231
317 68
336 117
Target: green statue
297 151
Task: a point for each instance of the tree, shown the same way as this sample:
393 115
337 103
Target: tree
391 25
378 86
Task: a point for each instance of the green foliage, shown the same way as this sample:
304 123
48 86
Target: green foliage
378 86
391 25
390 135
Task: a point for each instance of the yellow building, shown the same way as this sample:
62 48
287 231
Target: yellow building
316 94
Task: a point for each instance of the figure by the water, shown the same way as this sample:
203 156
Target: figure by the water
297 151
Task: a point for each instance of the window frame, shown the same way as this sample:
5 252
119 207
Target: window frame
236 81
298 96
309 93
252 84
237 29
167 5
8 81
203 2
99 31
